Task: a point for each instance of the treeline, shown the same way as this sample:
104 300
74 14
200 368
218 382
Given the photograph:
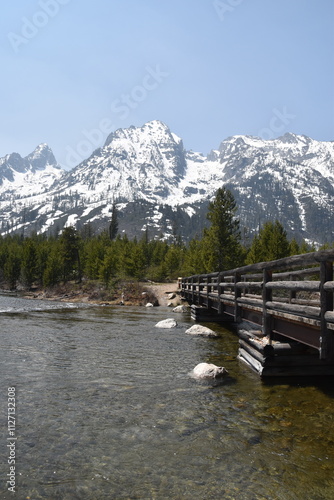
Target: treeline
47 261
108 257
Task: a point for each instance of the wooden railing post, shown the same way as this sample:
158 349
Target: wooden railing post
237 294
193 290
220 291
293 293
186 288
200 289
326 304
208 291
266 297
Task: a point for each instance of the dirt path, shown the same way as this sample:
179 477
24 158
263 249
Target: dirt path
162 290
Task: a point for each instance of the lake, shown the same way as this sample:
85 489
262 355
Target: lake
106 408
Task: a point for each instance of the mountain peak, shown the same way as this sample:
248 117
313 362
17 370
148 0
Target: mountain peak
289 138
154 129
41 157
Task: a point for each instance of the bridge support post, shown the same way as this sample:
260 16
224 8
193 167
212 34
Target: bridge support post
267 297
326 304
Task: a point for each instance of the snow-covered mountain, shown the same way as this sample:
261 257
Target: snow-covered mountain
19 175
158 185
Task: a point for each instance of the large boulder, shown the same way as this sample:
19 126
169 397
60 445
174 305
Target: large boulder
201 330
209 370
167 323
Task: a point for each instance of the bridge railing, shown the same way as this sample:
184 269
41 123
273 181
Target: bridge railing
291 297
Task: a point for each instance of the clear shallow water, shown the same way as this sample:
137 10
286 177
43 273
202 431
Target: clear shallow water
107 409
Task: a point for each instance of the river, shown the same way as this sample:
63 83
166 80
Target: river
106 409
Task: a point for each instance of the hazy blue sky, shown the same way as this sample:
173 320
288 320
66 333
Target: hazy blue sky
72 70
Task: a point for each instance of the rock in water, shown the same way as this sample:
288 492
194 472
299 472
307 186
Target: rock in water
167 323
209 370
149 304
201 330
180 309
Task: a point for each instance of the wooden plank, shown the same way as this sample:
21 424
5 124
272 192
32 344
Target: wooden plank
302 272
306 302
226 284
228 297
249 284
297 286
329 286
308 311
250 302
329 316
257 276
252 362
253 352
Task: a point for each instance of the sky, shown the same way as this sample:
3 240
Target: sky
75 70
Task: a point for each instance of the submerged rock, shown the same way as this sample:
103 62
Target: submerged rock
209 370
180 309
167 323
201 330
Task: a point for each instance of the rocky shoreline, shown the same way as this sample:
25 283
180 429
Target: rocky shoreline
127 294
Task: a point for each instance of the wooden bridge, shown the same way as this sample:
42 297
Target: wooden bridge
286 304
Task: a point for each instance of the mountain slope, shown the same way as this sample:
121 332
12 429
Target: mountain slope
159 185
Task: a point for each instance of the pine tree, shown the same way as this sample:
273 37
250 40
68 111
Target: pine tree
271 244
194 259
255 253
29 262
53 271
69 251
294 247
108 268
113 226
12 268
221 242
